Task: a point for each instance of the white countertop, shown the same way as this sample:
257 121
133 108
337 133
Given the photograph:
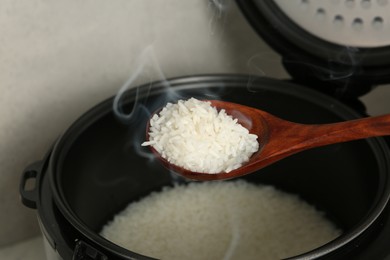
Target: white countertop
30 249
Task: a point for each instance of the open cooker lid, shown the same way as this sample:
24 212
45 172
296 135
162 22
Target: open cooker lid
338 42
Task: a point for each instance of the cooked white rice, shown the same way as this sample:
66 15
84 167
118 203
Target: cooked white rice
194 135
220 220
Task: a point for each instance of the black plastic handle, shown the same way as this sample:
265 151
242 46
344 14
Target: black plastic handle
29 195
84 251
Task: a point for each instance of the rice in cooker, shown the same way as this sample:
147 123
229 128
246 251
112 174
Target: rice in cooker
196 136
220 220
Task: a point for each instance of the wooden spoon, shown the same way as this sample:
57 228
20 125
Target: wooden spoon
279 138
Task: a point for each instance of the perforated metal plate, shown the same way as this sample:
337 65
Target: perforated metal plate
358 23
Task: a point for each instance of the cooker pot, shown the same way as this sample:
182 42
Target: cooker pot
97 167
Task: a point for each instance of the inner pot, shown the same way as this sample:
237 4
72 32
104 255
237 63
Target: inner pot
98 166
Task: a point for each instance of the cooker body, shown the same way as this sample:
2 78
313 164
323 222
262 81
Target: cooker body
98 167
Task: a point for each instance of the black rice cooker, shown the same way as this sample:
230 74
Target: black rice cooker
97 167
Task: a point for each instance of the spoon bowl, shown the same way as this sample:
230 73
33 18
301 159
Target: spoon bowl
280 138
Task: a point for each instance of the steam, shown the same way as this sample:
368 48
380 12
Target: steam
147 57
340 67
135 103
234 221
220 6
333 74
217 22
147 68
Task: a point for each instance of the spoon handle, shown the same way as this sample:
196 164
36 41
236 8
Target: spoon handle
287 138
352 130
319 135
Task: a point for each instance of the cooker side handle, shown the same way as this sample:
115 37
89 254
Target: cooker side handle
28 187
84 251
